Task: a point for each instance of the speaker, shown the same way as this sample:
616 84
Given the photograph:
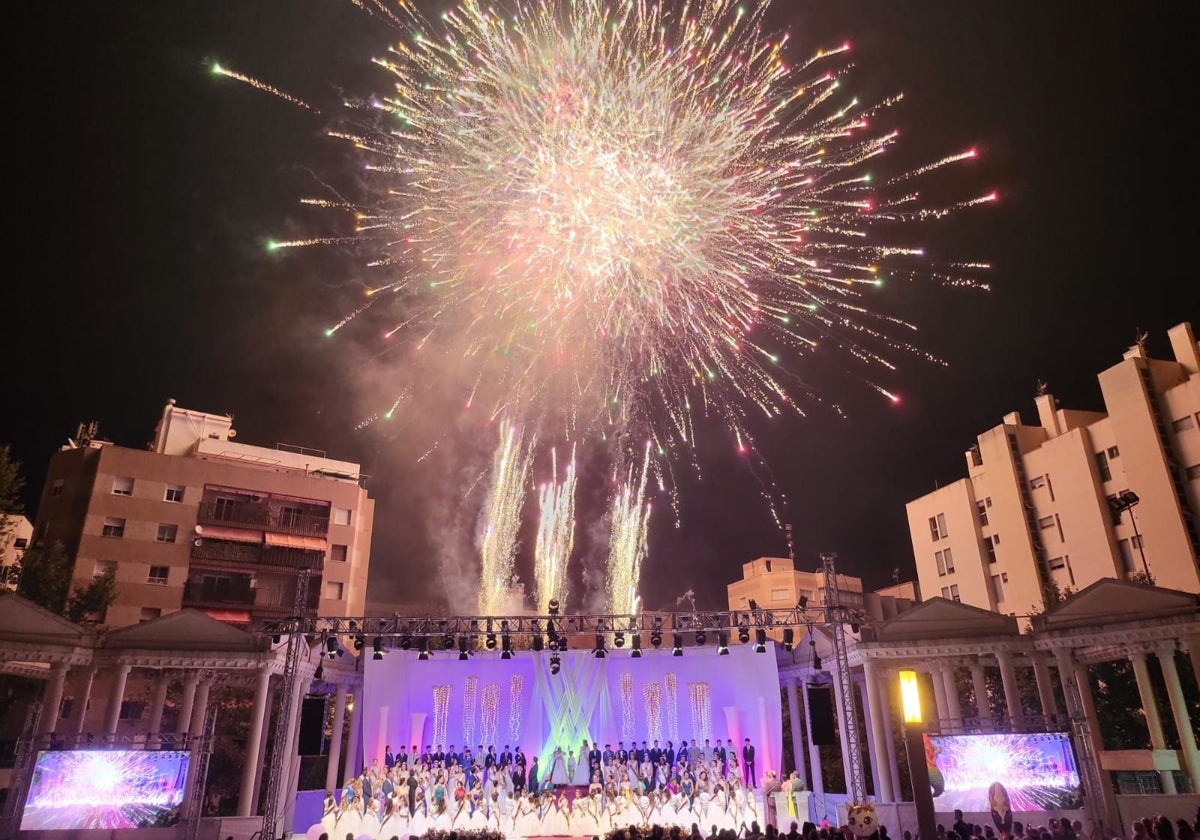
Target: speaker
312 725
820 705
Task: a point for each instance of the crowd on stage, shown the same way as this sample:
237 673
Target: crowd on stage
410 792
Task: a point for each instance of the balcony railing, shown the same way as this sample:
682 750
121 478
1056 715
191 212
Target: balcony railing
227 552
292 558
270 516
208 593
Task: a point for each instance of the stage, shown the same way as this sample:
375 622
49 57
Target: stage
491 701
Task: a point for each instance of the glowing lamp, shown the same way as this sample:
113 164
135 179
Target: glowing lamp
910 697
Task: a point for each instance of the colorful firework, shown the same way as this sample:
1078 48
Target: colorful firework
629 519
556 534
502 518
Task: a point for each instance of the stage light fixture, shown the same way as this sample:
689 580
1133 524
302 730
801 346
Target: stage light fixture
538 643
423 656
490 641
553 606
816 657
636 652
855 627
753 605
656 639
701 637
722 644
319 674
789 639
276 639
658 623
619 640
505 646
760 641
555 664
405 642
358 642
377 646
802 603
331 646
598 652
448 642
677 647
743 634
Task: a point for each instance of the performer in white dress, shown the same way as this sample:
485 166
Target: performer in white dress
583 771
370 820
329 815
558 774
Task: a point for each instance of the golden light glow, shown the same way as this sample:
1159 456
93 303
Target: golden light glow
910 697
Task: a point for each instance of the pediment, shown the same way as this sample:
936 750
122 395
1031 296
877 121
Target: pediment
182 630
1111 601
23 620
941 618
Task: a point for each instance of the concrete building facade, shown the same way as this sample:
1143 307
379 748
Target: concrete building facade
199 521
15 534
1078 497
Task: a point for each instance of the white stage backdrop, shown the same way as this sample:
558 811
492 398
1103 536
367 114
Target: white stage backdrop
488 700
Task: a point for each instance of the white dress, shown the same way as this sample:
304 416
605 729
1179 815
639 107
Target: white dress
558 769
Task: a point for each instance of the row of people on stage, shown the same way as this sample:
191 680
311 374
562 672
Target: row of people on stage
410 803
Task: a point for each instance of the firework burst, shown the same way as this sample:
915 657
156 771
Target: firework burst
556 534
502 518
629 520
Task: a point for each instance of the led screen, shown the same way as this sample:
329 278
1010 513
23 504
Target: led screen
1034 772
105 789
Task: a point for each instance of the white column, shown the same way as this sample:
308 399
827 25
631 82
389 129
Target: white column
1045 687
794 717
80 702
1183 721
877 704
335 745
872 763
355 736
113 717
840 703
939 693
814 751
157 702
190 683
1150 708
983 706
200 707
258 717
953 702
1012 694
291 779
52 698
885 703
1193 646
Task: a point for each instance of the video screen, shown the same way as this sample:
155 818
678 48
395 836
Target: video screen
990 772
105 789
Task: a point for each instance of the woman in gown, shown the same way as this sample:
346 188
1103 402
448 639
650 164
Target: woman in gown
370 820
349 820
583 770
558 769
329 815
522 808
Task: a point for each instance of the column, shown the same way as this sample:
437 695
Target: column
157 702
335 745
1183 722
1193 646
355 736
877 705
190 683
290 783
52 698
814 752
841 703
1012 694
258 717
80 703
113 717
873 765
794 717
953 701
1077 689
263 742
983 706
1045 687
939 693
200 707
885 695
1150 708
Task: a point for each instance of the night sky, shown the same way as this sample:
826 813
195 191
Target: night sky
150 188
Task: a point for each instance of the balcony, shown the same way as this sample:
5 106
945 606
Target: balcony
211 591
269 514
227 552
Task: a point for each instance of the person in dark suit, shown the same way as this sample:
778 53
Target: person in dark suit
595 758
439 755
669 752
622 753
643 753
532 784
748 765
412 790
719 755
402 759
609 755
367 785
389 760
388 788
506 757
655 754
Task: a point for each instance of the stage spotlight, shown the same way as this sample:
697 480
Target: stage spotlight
555 664
677 647
636 653
619 640
553 606
656 639
319 674
743 634
598 652
701 637
377 646
448 642
276 639
803 602
405 642
753 605
538 643
722 644
855 627
789 639
423 656
490 641
760 641
816 657
505 646
658 623
331 646
358 642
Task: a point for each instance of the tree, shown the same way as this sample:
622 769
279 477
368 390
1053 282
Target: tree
46 576
11 485
94 598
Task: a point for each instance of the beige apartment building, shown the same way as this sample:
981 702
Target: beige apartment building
197 520
15 533
1080 496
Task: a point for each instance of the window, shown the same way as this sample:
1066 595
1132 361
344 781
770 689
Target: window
768 565
989 548
945 561
167 532
341 516
950 592
57 487
132 709
1046 522
158 575
20 543
103 567
1183 424
988 501
290 516
114 527
174 493
982 508
1193 472
1113 452
937 527
1037 481
122 486
1058 562
1102 467
998 588
333 590
337 553
225 508
946 592
149 614
779 595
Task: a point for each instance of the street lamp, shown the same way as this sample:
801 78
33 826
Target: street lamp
1127 501
914 742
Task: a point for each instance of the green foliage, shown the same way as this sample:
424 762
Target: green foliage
11 485
94 598
46 576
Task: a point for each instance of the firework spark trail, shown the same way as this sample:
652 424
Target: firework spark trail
218 70
629 516
502 517
556 534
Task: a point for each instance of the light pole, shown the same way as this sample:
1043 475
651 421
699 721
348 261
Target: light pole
1127 501
914 743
